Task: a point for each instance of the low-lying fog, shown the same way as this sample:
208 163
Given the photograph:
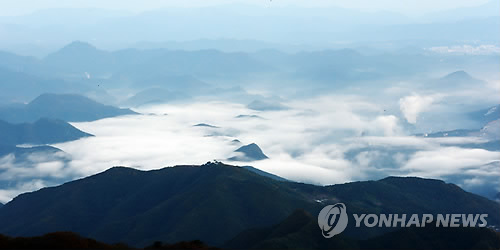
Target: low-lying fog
327 139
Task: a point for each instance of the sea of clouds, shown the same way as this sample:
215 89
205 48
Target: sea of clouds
323 140
363 134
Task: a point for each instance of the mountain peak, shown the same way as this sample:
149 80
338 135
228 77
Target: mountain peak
71 107
78 46
251 152
459 75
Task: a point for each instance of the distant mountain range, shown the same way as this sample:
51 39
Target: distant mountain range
214 202
155 96
42 131
67 107
177 75
19 85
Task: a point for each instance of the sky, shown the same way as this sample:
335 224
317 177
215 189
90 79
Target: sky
408 7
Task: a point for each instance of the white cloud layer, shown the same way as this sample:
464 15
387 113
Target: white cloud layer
310 142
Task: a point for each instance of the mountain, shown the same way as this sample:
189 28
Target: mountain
264 173
456 79
432 237
15 62
490 132
214 202
487 115
57 240
67 107
127 205
248 117
19 86
251 152
300 231
80 57
205 125
261 105
155 95
21 153
43 131
198 64
451 133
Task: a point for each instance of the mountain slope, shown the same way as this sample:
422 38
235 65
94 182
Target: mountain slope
211 203
43 131
57 240
155 95
80 57
18 86
300 231
485 116
251 152
67 107
214 202
21 153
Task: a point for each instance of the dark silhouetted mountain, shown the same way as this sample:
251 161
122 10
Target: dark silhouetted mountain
266 105
195 244
211 203
67 107
300 231
205 125
70 240
432 237
57 240
155 95
43 131
264 173
214 202
251 152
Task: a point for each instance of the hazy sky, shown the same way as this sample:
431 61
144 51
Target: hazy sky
409 7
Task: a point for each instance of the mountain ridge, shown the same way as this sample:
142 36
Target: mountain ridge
42 131
67 107
124 205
